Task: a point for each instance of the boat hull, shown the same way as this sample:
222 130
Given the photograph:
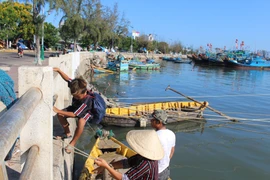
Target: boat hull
145 67
140 115
250 64
108 150
187 61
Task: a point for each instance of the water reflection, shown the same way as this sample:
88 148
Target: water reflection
235 92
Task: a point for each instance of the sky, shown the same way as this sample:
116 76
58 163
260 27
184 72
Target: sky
197 23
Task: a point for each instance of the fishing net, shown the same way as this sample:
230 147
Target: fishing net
7 93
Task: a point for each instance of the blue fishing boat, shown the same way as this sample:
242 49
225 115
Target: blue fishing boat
120 64
166 58
256 62
186 61
137 64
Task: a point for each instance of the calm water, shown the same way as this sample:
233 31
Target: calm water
217 149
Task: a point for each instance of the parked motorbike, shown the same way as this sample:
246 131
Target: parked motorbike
20 52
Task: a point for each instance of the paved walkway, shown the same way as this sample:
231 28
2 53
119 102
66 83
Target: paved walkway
11 60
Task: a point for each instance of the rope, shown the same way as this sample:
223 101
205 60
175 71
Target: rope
226 126
166 97
7 93
248 113
248 130
213 115
220 120
243 119
76 150
221 142
265 115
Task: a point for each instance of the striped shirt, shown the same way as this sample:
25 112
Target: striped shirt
82 108
146 170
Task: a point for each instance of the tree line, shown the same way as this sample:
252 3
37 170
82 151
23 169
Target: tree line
87 22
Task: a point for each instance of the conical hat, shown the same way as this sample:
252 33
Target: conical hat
146 143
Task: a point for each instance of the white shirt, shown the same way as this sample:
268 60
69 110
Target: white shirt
167 139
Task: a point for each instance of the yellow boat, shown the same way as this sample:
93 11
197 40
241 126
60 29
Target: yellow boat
108 149
140 115
102 70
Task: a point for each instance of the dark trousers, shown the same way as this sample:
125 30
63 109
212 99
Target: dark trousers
165 174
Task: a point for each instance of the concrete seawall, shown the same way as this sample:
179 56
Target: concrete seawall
40 130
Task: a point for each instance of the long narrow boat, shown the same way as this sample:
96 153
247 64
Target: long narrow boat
102 70
108 149
140 115
152 66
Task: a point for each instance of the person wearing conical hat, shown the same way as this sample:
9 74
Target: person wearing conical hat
143 165
167 139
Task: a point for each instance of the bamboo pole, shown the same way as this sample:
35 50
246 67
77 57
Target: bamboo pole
207 106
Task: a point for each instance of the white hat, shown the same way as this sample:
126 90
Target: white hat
146 143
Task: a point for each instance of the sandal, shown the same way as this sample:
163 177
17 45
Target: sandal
69 148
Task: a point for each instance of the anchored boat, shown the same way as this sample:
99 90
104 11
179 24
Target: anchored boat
140 115
108 149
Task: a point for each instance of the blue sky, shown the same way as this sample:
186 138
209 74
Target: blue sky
198 22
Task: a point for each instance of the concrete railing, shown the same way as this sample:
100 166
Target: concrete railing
31 117
13 121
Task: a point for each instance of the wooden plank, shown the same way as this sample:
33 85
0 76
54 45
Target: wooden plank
107 144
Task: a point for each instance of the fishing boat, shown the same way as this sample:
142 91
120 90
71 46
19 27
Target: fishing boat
200 58
187 61
109 149
166 58
102 70
136 64
139 115
251 63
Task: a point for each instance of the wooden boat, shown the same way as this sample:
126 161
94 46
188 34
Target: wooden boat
136 64
102 70
199 59
108 149
140 115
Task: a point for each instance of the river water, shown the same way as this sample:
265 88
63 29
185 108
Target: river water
218 148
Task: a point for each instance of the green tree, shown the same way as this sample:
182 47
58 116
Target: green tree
51 35
103 25
142 41
176 47
96 27
16 21
163 47
38 20
73 24
72 29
